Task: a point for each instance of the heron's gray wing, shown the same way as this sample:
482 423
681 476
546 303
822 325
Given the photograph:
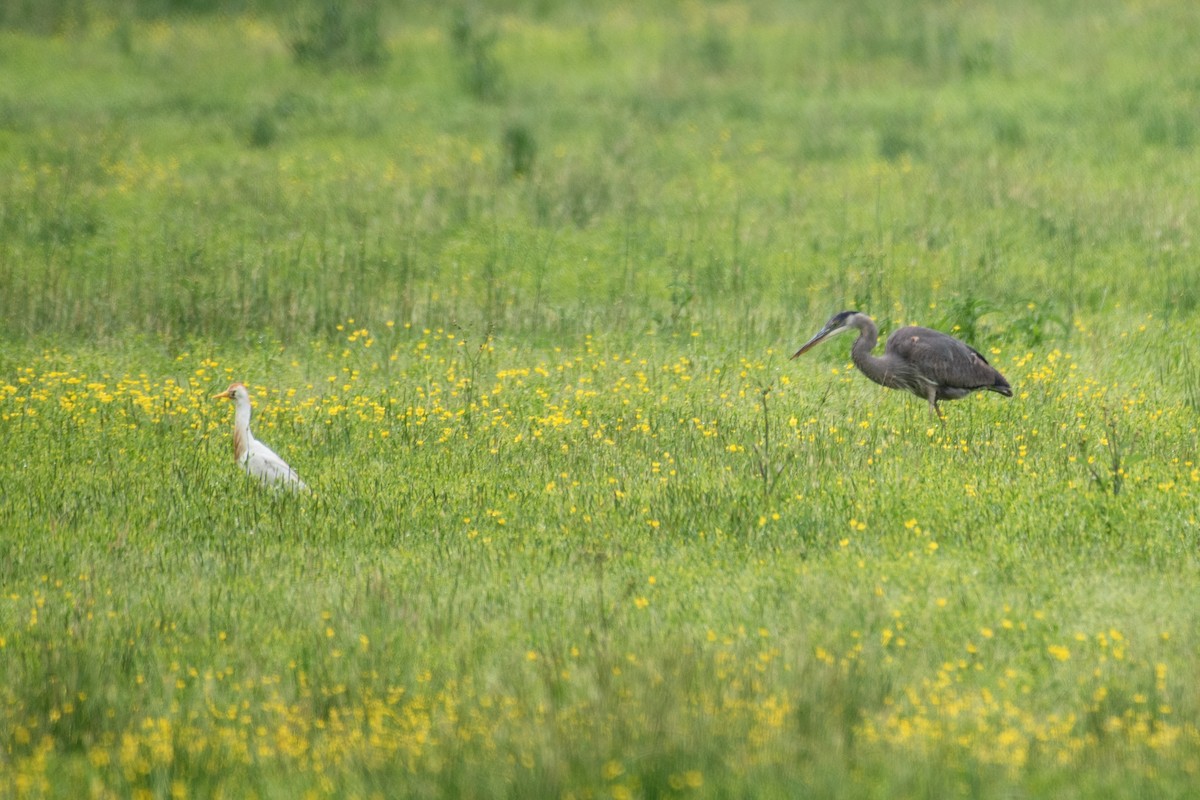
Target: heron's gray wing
942 359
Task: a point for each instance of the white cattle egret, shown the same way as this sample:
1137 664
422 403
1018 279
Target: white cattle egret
252 455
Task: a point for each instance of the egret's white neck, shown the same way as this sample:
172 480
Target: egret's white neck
241 430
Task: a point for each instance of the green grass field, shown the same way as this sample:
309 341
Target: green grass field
514 287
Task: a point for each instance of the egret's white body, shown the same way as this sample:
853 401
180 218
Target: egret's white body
253 456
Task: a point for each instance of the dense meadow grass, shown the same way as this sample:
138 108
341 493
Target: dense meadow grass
514 287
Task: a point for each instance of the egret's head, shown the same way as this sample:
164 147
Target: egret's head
837 324
236 392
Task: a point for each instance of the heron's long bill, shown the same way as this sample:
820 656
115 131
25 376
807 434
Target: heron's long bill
821 336
222 396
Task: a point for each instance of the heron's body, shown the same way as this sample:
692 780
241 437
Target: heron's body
253 456
928 363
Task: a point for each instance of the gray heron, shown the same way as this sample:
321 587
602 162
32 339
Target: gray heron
928 363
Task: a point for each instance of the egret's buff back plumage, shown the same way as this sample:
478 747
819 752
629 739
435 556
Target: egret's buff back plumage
250 454
241 435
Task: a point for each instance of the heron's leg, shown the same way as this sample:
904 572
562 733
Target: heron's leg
931 393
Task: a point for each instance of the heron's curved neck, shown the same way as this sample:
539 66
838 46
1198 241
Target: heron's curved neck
860 353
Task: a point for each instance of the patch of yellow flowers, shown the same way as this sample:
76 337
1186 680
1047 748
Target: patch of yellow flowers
434 389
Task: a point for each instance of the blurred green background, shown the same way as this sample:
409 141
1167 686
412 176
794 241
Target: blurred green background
224 168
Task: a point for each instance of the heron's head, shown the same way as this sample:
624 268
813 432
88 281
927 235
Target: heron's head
236 392
838 323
